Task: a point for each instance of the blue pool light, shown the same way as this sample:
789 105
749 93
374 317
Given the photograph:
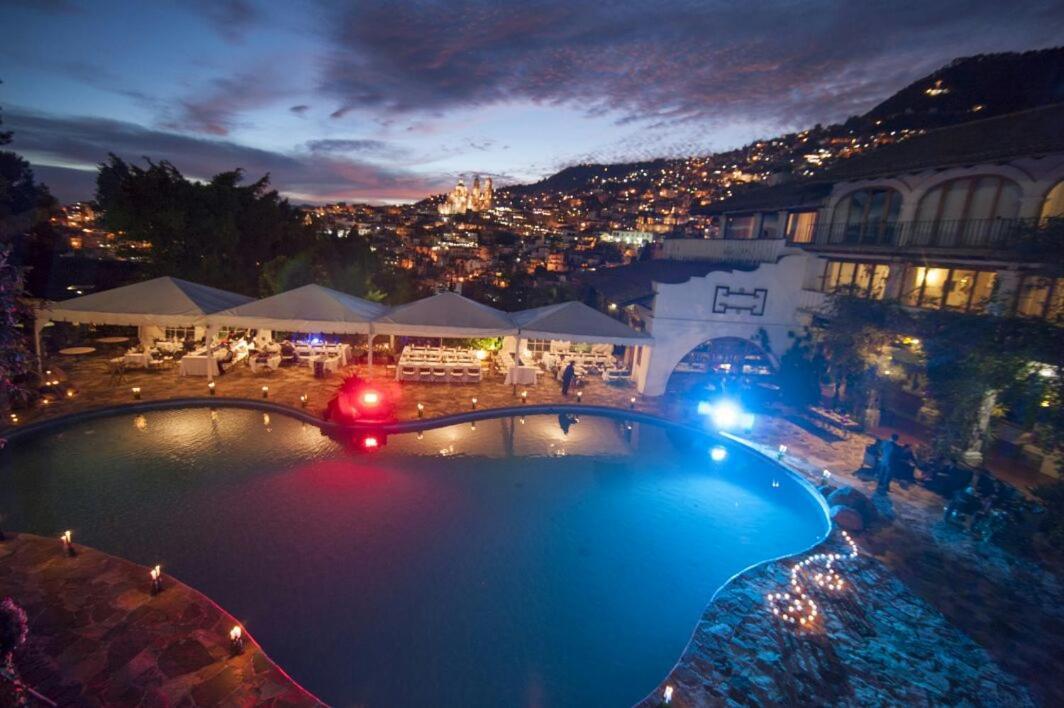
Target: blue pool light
726 415
717 453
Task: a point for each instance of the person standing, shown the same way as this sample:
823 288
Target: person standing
884 469
567 377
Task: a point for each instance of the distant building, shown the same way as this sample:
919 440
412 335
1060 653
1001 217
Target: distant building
461 199
937 221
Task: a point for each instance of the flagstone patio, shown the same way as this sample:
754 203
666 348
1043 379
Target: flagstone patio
98 637
93 387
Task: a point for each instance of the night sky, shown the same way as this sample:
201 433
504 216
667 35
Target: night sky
384 101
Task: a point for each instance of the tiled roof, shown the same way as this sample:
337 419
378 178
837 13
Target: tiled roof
1035 132
789 195
631 283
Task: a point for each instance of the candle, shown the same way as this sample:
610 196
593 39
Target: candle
524 396
265 391
210 387
136 392
68 543
631 402
420 410
236 640
303 400
156 575
474 400
579 396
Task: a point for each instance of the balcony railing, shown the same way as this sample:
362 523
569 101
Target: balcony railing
962 234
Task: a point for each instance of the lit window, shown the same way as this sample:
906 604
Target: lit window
1053 206
800 227
867 216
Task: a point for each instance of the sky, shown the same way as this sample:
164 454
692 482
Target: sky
390 101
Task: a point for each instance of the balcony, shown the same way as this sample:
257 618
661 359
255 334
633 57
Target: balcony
762 250
974 236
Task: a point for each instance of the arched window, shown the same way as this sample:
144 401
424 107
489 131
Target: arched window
867 216
976 212
1053 206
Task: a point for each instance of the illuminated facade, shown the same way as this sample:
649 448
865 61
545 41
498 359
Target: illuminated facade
462 199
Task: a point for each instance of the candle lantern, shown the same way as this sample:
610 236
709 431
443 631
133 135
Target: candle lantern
210 387
236 640
420 410
265 391
156 575
631 402
524 397
136 393
782 452
303 400
68 543
474 402
579 396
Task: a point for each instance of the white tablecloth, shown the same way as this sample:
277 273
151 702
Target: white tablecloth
272 362
138 359
200 363
521 375
455 371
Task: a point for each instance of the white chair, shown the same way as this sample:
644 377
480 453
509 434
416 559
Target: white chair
439 374
424 374
473 374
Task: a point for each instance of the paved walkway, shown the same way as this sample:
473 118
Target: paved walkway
93 387
99 638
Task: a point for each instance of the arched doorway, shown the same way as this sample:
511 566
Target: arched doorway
722 364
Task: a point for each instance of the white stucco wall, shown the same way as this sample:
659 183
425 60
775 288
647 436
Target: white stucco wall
683 314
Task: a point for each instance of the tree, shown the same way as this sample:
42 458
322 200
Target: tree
16 361
220 233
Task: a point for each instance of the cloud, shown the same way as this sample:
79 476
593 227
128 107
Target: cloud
361 146
669 61
217 108
300 109
64 151
231 18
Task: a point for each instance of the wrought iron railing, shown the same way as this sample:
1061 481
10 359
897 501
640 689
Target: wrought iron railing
977 234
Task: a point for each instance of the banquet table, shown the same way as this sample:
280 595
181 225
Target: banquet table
112 340
521 375
200 363
271 363
77 351
138 359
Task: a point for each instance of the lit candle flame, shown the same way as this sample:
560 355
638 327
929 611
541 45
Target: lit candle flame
235 633
156 572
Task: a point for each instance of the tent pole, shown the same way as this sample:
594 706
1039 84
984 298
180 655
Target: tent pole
208 335
38 326
369 346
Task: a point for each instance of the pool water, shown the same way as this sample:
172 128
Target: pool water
508 564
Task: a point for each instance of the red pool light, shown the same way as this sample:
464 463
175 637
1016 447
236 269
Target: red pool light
370 443
371 398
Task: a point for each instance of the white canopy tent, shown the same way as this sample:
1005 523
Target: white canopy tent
446 314
576 322
160 302
307 309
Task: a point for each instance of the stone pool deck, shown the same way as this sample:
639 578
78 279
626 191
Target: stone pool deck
99 638
931 615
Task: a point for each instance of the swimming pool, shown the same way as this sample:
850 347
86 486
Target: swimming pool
534 561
